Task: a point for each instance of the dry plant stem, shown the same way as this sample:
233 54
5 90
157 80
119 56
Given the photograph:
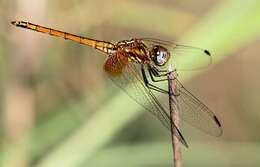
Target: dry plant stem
19 97
174 114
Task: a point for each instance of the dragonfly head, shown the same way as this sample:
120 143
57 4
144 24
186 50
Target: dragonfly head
160 55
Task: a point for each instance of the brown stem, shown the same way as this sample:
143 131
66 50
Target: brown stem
19 99
174 114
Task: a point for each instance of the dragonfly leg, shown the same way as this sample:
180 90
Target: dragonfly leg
154 72
151 86
158 72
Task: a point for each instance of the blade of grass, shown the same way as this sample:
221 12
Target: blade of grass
163 20
159 153
228 27
49 133
94 134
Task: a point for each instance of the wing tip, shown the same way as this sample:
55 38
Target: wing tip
217 121
207 52
185 144
219 125
181 138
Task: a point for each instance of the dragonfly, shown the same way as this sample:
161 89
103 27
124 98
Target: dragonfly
138 66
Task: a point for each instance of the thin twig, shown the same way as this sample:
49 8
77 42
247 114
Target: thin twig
176 145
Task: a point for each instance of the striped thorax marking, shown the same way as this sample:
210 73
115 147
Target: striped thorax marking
136 51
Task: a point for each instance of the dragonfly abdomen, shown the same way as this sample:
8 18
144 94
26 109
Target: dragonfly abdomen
103 46
106 47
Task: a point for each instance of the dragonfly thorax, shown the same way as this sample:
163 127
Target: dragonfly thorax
159 55
135 50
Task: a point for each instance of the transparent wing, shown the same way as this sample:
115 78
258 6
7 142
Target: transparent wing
195 113
130 80
192 110
182 56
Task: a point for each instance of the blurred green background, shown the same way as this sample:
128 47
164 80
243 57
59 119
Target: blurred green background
59 109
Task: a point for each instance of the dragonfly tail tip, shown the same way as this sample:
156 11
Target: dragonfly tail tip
14 23
22 24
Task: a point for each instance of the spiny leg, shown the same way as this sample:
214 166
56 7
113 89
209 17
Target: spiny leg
155 72
159 72
151 86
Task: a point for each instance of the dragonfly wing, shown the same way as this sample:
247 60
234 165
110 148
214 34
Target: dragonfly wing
182 56
130 80
192 110
195 113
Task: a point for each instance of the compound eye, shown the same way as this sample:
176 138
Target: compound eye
160 55
161 58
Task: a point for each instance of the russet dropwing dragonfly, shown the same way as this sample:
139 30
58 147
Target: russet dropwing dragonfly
138 66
